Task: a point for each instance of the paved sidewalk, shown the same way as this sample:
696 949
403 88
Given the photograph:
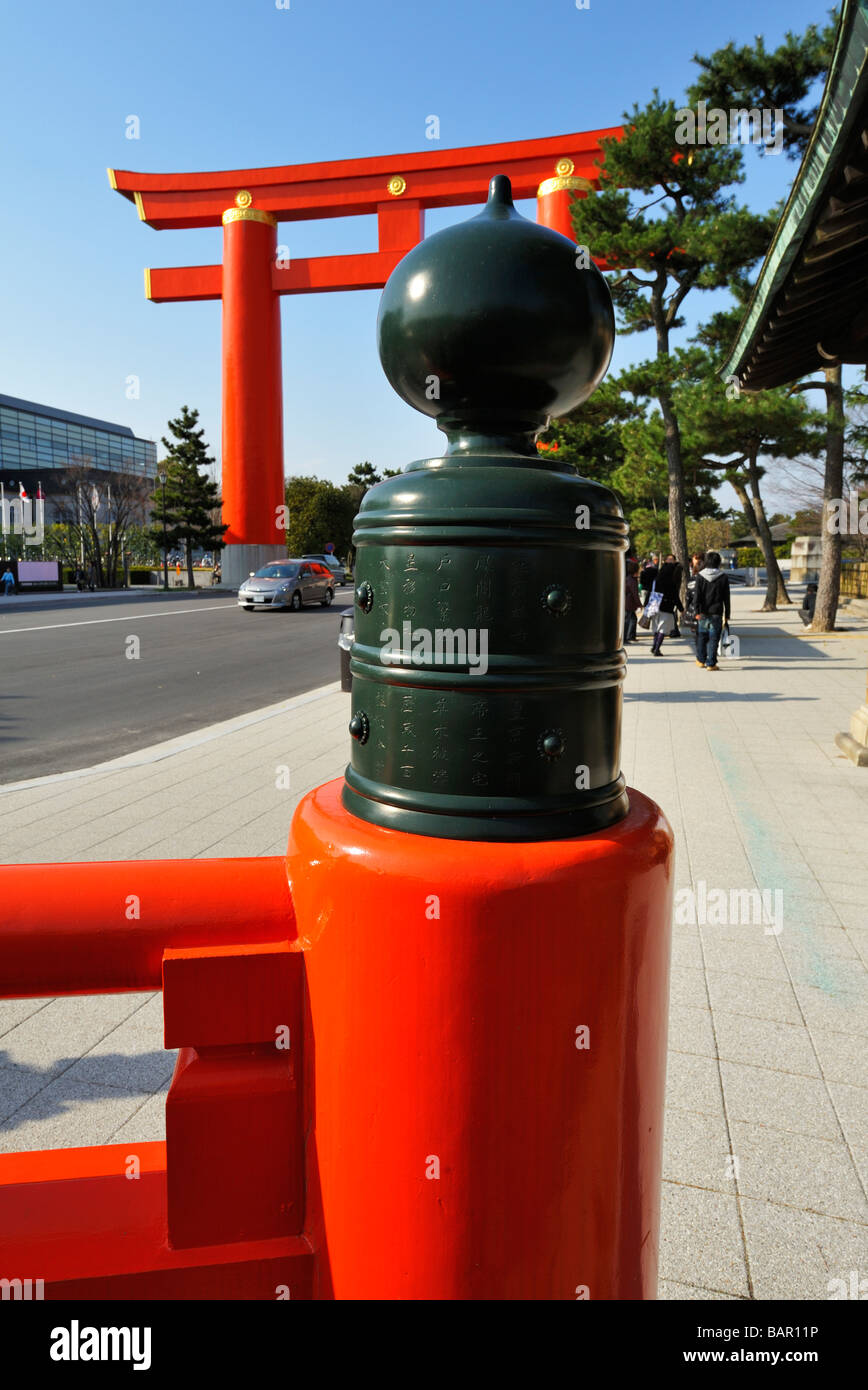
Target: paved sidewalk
767 1124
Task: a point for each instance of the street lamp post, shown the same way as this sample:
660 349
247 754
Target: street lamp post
161 478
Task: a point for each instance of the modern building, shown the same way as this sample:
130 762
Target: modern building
38 443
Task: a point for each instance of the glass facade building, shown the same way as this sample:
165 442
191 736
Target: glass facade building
38 442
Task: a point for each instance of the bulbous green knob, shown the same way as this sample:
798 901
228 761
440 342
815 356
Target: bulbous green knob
494 325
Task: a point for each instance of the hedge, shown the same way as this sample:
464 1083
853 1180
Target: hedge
752 555
138 575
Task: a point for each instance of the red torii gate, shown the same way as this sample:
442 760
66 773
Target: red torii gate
250 202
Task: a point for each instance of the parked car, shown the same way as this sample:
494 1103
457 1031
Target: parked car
337 569
287 584
346 637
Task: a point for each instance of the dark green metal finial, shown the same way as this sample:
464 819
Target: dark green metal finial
487 665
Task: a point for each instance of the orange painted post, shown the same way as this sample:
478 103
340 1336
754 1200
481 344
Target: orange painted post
554 197
233 1135
466 1139
252 481
483 907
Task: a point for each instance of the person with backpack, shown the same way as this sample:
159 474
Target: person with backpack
712 605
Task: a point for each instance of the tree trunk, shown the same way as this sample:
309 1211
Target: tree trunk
828 588
675 467
672 441
97 560
775 585
191 581
748 512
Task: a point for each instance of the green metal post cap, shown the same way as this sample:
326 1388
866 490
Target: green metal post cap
491 327
487 671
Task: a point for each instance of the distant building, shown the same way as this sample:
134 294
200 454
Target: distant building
38 443
780 532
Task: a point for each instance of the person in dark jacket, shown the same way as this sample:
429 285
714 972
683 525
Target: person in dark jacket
671 560
712 610
631 600
649 573
697 562
668 585
806 612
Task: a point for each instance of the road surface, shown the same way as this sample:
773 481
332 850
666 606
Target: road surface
85 680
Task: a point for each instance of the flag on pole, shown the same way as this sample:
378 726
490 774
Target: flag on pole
23 493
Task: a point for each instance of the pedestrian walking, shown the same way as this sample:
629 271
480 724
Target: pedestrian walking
7 579
679 572
697 560
668 586
712 610
631 601
79 578
649 573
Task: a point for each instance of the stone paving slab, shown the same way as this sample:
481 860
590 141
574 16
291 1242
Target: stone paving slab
766 1134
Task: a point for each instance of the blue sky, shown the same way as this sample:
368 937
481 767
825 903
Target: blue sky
238 83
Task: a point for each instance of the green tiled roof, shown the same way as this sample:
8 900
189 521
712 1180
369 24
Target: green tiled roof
824 169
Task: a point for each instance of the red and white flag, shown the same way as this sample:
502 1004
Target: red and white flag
22 493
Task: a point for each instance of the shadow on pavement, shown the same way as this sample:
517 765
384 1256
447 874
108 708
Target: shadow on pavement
115 1073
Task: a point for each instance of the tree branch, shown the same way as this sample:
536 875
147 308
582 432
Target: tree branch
809 386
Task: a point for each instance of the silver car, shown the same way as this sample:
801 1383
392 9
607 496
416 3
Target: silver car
287 584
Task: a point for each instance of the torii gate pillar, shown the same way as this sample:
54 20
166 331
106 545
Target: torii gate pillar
252 395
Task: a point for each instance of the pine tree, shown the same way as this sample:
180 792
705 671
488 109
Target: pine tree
781 80
751 77
589 437
611 440
191 498
364 475
668 214
743 428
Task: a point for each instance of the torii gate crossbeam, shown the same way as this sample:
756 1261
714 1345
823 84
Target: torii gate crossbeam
249 203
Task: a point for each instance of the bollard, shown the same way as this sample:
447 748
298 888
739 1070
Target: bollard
482 907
